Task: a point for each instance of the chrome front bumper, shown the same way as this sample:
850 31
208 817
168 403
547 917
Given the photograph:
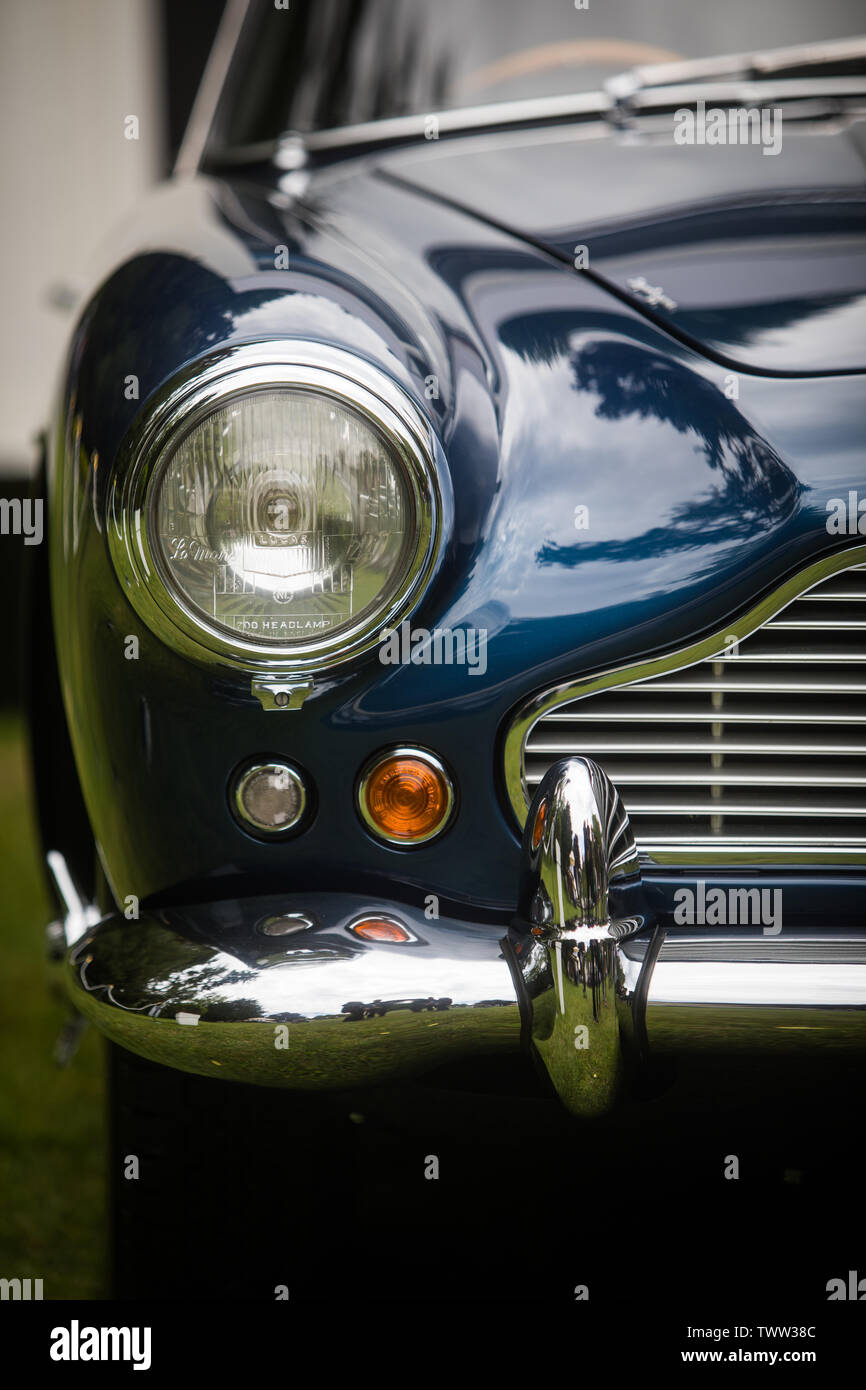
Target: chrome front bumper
583 976
205 990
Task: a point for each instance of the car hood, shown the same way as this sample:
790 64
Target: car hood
758 259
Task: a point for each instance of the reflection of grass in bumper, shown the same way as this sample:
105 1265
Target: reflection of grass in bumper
584 1077
756 1028
326 1052
51 1122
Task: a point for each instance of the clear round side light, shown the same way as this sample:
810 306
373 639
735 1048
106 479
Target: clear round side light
283 518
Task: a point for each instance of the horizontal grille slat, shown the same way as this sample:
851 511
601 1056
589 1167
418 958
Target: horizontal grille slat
727 685
817 624
709 746
851 842
635 775
835 595
691 715
799 655
757 753
639 805
769 948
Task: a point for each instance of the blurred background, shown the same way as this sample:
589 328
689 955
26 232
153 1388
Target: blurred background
71 71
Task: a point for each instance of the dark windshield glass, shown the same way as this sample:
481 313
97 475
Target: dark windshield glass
326 63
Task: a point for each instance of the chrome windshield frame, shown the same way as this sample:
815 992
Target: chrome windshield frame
825 68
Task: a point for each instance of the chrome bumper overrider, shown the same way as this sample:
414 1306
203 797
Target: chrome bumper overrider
584 975
583 998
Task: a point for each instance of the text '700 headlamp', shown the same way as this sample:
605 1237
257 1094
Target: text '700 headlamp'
277 507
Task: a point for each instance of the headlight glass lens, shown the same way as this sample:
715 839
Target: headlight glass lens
283 517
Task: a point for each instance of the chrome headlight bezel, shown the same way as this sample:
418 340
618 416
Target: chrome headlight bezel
189 398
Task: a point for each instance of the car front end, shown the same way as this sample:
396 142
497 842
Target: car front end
458 645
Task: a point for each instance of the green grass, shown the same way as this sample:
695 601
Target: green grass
52 1129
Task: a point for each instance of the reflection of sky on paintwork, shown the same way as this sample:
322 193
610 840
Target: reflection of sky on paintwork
311 316
812 425
628 472
839 326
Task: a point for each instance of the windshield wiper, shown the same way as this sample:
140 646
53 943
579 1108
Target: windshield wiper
833 71
835 58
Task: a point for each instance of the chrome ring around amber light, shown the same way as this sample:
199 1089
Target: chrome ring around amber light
422 755
203 388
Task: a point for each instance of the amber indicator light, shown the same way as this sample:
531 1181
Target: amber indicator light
380 929
538 827
406 796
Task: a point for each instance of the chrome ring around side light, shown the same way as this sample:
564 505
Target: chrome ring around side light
404 751
245 816
201 389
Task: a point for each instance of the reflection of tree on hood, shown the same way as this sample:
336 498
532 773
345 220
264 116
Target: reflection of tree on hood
754 491
630 380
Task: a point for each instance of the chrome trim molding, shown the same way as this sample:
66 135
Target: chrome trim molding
424 755
581 996
754 849
202 388
465 120
201 118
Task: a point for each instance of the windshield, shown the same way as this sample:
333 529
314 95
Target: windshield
319 64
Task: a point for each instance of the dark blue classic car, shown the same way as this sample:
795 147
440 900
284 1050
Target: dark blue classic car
457 501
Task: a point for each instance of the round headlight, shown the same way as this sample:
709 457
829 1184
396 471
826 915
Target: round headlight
283 516
278 514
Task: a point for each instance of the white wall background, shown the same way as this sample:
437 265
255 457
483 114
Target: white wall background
70 72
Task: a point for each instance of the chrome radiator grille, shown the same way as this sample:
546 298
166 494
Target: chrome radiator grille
755 754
